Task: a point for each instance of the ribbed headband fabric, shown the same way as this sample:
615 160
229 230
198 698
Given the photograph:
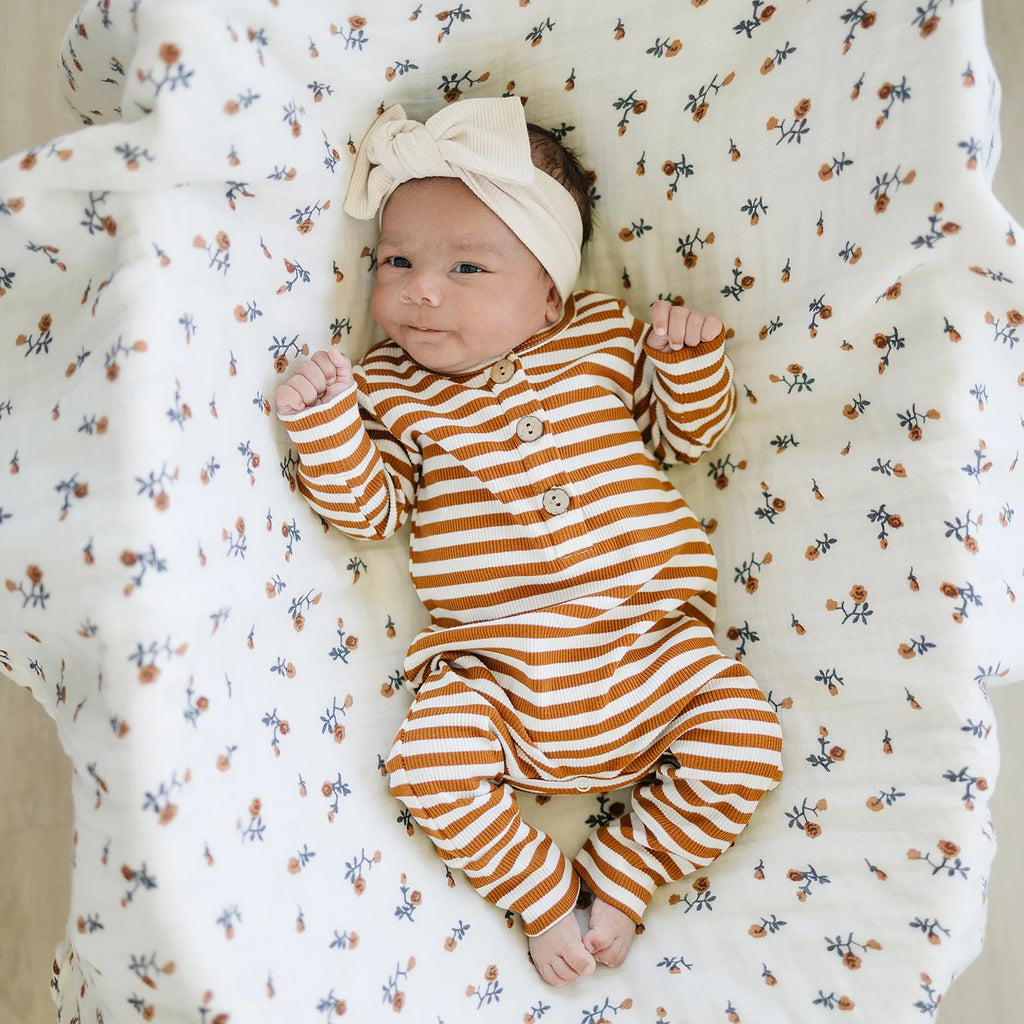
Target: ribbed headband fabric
484 143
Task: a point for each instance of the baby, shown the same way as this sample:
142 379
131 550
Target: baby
522 428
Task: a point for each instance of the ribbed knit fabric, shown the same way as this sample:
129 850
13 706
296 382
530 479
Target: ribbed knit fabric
571 594
727 756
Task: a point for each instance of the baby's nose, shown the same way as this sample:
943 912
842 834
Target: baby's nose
423 288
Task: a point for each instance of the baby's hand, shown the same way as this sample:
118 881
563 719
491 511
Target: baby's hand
316 382
676 326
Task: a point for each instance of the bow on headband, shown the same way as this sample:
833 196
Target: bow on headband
484 143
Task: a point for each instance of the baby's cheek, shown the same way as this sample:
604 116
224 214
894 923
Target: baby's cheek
379 306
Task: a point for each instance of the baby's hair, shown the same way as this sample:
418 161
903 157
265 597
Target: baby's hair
561 163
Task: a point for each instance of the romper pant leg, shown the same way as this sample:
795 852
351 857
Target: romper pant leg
447 766
728 757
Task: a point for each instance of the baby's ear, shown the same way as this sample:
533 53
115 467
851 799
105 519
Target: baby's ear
553 306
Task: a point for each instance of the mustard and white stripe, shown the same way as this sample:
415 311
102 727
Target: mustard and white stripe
570 588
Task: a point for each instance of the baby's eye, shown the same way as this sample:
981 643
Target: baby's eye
467 268
399 262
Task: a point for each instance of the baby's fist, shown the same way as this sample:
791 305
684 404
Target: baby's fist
315 382
676 326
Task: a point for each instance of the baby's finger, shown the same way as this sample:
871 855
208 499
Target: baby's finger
326 365
289 400
691 330
711 328
661 317
339 359
310 383
285 400
679 318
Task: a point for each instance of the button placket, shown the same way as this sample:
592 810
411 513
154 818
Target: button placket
523 412
514 394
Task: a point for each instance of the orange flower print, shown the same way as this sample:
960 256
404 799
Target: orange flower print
149 674
169 54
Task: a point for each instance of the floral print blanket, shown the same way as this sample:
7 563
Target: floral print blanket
225 674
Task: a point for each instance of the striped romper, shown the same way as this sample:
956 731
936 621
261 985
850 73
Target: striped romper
571 594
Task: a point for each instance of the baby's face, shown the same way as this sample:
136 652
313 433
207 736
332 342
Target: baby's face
455 286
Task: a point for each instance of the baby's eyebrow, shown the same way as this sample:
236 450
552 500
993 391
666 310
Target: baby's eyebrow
454 247
463 245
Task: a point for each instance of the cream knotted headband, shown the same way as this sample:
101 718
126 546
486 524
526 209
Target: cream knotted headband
484 143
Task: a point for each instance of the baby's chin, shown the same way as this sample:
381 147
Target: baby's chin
434 351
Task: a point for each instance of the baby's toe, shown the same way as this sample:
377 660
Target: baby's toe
580 961
613 954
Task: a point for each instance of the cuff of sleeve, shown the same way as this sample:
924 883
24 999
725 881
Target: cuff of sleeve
537 924
705 350
322 416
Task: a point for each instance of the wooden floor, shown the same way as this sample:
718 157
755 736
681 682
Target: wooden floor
35 803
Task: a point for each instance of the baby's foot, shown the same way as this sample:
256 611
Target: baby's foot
559 954
611 933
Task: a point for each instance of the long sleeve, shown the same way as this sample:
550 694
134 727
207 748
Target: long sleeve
684 400
352 471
